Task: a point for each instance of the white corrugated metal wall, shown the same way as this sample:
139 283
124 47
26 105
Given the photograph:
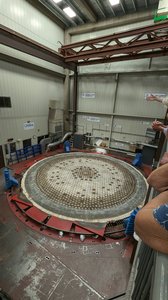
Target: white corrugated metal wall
30 91
119 110
128 113
22 17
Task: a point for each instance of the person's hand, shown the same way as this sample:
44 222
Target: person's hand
151 98
158 126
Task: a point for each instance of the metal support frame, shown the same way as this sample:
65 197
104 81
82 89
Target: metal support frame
51 225
150 41
28 65
17 41
159 288
148 279
113 108
75 99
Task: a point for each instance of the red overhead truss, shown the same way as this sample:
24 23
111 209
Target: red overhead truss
150 41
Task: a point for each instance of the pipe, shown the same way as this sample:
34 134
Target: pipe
51 145
43 143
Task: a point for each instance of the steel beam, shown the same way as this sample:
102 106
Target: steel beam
58 12
132 49
84 7
28 65
146 3
113 23
19 42
78 14
134 6
122 6
75 99
108 8
125 57
144 42
98 9
132 32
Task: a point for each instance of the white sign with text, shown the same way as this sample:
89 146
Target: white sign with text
88 95
28 125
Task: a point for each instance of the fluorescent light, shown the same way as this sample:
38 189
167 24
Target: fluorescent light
69 12
56 1
114 2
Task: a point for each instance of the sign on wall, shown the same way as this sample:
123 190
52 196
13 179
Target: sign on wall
28 125
93 119
88 95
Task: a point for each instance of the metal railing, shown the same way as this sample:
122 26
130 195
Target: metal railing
149 275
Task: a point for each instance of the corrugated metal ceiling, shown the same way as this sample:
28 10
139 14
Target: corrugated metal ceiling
92 11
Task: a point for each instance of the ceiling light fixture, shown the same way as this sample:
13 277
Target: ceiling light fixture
114 2
57 1
69 12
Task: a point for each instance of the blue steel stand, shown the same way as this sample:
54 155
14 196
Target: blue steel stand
10 181
67 146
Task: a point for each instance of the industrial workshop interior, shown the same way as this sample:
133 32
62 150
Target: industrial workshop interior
77 146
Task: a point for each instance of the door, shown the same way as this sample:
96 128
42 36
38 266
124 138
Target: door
26 143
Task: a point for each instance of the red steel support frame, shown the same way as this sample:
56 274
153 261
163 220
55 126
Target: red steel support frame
17 41
150 41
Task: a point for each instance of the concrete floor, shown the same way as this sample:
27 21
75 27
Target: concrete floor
36 267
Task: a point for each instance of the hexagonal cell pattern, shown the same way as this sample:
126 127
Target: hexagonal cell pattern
84 186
